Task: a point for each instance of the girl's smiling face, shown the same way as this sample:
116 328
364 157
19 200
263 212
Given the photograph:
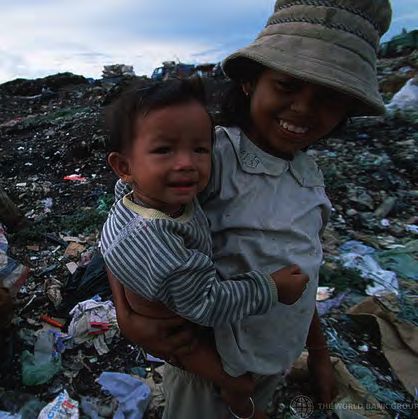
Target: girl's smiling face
288 114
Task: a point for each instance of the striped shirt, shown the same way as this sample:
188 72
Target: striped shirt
169 260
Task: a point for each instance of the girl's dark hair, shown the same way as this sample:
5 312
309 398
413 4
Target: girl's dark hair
235 105
122 116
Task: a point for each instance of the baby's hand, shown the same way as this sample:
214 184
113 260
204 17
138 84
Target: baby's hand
290 283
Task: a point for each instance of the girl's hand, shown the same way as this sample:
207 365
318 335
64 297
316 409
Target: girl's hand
322 376
290 282
164 338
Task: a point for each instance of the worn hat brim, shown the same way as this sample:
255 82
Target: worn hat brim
317 61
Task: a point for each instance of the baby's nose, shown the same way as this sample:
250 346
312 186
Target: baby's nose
184 161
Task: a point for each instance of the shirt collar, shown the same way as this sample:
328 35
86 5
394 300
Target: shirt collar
254 160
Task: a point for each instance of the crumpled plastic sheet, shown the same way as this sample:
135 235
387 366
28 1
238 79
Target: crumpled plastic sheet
7 415
356 255
44 363
93 311
406 98
10 270
132 394
402 259
62 407
324 307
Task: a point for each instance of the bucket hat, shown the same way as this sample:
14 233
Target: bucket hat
333 43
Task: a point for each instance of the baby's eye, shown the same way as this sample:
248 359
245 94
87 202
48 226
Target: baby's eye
161 150
202 150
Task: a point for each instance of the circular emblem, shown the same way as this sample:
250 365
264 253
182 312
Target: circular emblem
302 406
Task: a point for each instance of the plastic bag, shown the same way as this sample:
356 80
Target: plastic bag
62 407
406 98
43 364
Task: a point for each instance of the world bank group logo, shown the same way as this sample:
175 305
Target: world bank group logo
302 407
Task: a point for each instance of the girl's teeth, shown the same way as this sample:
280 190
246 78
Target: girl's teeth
293 128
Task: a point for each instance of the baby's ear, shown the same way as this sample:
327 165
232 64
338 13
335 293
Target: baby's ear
120 165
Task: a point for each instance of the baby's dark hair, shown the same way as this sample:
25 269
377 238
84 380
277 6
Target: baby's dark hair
122 115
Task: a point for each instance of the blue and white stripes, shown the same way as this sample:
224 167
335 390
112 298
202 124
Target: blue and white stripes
169 260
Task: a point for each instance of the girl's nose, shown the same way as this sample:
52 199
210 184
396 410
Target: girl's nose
304 101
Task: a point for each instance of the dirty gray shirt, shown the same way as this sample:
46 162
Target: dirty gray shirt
265 213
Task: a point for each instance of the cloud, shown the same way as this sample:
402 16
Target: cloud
44 37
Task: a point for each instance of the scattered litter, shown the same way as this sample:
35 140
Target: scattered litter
75 177
118 70
53 291
51 321
152 358
71 266
412 228
406 98
73 239
360 257
324 307
132 394
93 323
94 407
324 293
48 203
62 407
74 249
44 363
33 247
403 259
12 274
384 222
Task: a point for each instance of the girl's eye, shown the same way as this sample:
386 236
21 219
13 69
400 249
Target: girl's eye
283 85
202 150
161 150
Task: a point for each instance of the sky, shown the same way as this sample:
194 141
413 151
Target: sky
44 37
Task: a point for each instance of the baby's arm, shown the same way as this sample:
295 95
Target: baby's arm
155 264
195 291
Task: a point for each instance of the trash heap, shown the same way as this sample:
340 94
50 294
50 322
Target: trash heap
64 356
118 70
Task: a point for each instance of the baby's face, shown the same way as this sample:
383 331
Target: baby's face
170 159
289 114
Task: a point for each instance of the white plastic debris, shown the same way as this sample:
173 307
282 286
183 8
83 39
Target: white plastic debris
360 257
406 98
384 222
62 407
323 293
412 228
93 323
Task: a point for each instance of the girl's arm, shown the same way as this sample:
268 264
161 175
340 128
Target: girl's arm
170 338
164 338
319 362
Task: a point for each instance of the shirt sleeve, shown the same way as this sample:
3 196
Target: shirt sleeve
158 267
121 189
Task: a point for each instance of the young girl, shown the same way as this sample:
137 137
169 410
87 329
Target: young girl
157 241
311 68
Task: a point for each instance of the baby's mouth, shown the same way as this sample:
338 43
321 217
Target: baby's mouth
181 184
